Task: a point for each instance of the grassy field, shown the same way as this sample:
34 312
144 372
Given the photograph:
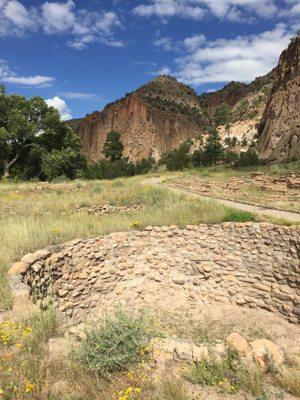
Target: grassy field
34 215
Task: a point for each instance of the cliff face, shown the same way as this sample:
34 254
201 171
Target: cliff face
279 129
230 95
154 119
146 130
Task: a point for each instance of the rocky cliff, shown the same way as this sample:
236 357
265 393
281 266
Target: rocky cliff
163 113
279 129
152 120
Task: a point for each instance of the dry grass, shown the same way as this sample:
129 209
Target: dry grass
173 389
34 215
289 379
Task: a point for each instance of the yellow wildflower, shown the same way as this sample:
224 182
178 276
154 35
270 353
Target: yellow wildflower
29 387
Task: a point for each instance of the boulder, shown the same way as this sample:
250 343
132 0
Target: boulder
18 268
265 351
238 343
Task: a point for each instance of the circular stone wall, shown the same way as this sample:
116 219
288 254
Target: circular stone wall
251 264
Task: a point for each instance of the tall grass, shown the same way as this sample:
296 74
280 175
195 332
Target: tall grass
36 215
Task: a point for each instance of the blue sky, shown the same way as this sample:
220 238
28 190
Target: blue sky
80 55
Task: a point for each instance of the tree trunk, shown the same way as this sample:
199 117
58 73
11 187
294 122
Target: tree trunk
9 165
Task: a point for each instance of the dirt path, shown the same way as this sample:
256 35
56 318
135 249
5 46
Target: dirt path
259 210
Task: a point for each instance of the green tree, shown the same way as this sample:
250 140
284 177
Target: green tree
65 162
113 146
179 158
28 130
231 141
221 114
197 158
230 157
213 149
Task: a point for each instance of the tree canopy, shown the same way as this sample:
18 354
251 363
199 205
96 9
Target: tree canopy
30 131
113 146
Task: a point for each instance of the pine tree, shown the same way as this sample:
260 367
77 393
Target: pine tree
213 149
113 147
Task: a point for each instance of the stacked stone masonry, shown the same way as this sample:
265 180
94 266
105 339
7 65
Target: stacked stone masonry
247 264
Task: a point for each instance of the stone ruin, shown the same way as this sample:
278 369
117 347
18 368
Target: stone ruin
252 265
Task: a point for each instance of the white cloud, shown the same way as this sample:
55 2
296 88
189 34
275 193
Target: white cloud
162 71
240 59
164 42
152 64
9 76
233 10
171 8
79 96
194 41
61 106
60 18
17 14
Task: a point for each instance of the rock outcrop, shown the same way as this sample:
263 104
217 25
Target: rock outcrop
154 119
279 128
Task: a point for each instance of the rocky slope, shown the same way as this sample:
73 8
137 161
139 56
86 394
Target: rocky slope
160 115
152 120
245 104
279 129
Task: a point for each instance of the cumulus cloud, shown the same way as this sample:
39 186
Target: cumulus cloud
60 18
233 10
171 8
61 106
240 59
7 75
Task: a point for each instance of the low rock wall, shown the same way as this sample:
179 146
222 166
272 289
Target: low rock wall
250 264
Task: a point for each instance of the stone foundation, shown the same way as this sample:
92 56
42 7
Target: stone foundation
250 264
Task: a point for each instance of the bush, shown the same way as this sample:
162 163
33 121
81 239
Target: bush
231 141
197 158
230 157
106 169
114 343
227 374
224 374
65 162
144 166
179 158
239 216
247 158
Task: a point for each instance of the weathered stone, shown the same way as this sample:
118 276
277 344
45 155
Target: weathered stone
264 351
234 265
18 268
238 343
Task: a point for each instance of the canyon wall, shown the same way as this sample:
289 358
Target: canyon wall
280 126
146 131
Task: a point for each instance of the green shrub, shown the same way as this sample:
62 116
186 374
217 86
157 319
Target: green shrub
67 162
114 343
248 158
224 373
230 157
239 216
179 158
